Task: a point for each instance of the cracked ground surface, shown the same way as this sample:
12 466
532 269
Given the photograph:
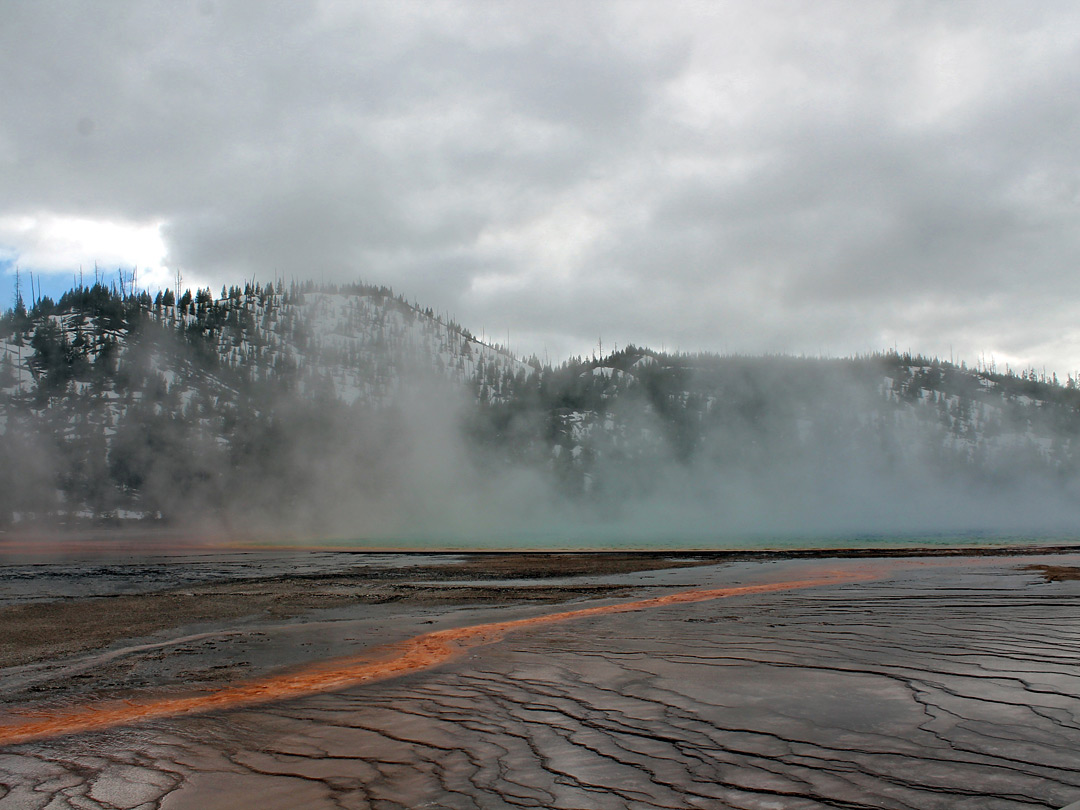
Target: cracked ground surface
935 684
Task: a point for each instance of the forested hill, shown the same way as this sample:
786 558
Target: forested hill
350 411
137 407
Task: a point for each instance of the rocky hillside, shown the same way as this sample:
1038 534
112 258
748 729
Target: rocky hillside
351 411
132 407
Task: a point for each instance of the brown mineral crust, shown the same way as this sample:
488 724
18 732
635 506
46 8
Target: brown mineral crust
40 631
1055 573
50 630
525 565
945 684
418 653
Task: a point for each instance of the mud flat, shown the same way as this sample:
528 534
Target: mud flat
612 681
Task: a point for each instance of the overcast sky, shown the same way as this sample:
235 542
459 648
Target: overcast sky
807 177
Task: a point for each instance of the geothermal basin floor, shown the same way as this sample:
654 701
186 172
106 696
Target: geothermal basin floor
900 682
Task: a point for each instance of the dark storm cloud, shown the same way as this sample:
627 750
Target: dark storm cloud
799 177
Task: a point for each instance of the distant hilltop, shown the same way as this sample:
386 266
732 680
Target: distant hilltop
348 410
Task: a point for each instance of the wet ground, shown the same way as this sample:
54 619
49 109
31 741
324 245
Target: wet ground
911 683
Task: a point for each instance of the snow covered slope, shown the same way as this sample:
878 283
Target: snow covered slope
284 402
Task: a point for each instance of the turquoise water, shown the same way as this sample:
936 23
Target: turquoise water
761 542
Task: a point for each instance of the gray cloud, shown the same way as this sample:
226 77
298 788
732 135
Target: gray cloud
805 177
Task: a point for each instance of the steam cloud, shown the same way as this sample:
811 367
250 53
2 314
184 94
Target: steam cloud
635 449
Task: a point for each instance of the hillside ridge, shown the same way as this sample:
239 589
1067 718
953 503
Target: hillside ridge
267 400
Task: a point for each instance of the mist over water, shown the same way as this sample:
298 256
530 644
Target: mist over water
805 453
357 418
831 470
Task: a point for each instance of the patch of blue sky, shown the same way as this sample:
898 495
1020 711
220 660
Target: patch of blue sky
53 283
